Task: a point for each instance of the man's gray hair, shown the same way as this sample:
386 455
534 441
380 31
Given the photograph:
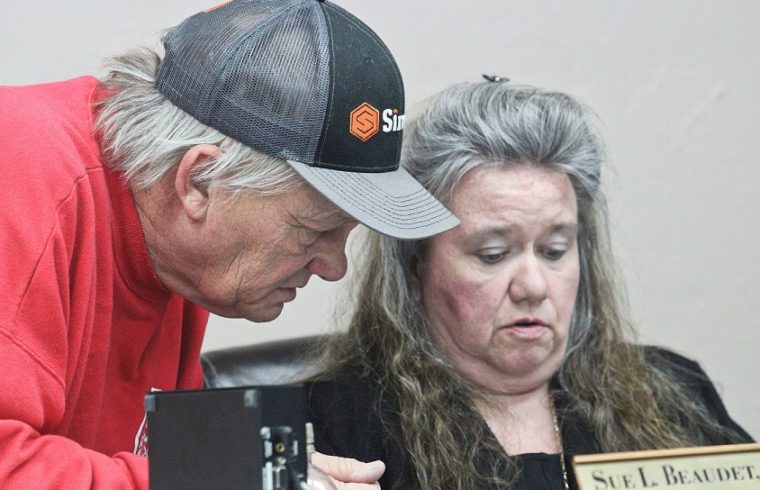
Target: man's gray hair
144 135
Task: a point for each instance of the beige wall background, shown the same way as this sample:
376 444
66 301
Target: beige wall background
676 85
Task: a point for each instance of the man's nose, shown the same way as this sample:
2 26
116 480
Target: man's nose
330 261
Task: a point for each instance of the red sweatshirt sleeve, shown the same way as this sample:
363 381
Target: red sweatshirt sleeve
29 460
32 403
38 350
53 283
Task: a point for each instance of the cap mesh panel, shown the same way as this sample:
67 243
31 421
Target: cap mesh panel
259 73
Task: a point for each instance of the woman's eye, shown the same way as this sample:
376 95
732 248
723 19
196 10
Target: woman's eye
491 257
554 253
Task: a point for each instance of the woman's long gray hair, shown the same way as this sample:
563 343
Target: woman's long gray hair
627 402
144 135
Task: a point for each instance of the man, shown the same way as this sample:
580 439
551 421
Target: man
219 178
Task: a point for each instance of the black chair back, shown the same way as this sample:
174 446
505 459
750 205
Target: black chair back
279 362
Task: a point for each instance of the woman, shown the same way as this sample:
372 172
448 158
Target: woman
488 356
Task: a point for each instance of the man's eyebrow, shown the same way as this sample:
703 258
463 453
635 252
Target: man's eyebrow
328 215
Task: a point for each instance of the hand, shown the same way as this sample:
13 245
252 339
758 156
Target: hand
349 474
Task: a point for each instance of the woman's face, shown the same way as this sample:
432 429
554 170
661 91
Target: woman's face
499 289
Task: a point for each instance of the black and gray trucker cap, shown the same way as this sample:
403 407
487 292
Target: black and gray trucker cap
308 82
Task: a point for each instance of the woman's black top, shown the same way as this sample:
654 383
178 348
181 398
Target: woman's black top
347 421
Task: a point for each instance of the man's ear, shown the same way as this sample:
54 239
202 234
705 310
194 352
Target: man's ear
194 198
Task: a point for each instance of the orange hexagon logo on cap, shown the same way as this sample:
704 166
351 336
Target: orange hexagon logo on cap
365 122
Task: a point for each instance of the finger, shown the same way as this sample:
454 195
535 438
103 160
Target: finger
357 486
348 470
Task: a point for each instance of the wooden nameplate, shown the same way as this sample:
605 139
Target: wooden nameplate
735 466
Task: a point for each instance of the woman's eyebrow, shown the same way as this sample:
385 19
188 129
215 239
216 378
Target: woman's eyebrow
508 231
566 227
490 233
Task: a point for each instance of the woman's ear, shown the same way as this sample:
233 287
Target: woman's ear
193 197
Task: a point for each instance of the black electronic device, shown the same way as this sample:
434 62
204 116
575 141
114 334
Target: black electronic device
249 438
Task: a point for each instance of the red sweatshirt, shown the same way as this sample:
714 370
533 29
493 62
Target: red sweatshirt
86 329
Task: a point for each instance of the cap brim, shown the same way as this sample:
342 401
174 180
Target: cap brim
391 203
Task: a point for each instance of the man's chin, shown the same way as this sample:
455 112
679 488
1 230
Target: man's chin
260 311
264 314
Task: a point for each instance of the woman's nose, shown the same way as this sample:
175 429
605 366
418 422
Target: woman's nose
529 282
